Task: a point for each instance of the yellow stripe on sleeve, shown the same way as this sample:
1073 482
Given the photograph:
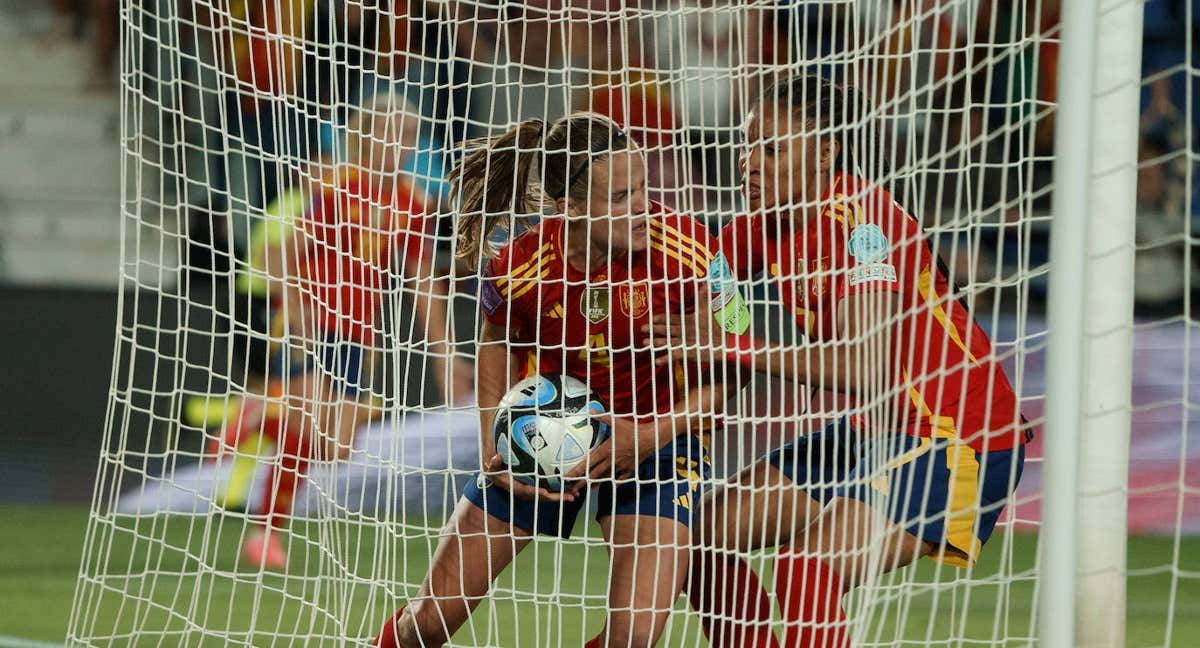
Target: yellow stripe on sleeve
685 242
675 255
525 268
530 284
697 258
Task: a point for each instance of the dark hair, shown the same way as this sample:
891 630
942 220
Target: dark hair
493 182
828 105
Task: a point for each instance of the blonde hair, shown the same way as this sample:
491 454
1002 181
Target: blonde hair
378 104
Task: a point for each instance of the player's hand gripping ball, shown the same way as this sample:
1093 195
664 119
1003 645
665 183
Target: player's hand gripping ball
545 427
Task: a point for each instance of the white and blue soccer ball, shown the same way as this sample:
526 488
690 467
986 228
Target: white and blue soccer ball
544 427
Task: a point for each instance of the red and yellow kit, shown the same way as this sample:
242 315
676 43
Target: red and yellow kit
862 241
353 234
588 326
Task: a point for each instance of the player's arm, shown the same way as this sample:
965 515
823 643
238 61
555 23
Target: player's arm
451 374
496 374
854 362
632 441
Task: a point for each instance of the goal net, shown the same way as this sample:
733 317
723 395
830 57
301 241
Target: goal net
294 412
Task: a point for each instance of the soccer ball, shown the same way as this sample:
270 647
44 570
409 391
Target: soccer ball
544 428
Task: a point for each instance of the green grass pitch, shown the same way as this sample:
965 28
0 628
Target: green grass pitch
560 588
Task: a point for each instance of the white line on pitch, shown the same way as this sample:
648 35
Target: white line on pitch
17 642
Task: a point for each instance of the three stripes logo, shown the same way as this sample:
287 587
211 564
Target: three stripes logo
689 253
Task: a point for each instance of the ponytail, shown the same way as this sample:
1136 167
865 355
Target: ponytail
492 182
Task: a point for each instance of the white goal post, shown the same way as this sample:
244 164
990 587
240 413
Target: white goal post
1090 321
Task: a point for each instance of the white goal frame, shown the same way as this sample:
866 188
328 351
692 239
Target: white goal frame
1090 327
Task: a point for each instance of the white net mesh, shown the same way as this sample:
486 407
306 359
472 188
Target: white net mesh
293 411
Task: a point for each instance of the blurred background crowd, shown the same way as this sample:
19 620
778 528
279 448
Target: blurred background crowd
243 100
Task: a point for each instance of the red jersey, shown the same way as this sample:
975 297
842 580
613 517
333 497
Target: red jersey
563 321
353 234
862 241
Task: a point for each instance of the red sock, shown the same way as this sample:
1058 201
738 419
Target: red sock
387 635
810 595
285 475
735 610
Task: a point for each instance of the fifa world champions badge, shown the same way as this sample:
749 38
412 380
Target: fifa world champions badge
594 304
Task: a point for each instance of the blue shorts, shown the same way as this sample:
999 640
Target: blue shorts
941 491
341 361
666 486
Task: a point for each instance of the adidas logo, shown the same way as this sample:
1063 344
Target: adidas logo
554 312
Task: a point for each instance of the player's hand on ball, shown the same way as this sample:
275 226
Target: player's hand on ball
495 469
597 465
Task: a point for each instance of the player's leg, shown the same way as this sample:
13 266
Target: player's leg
474 548
488 528
765 505
266 546
931 497
347 371
649 564
647 522
831 557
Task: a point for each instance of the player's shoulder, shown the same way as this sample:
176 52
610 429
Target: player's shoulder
863 205
529 253
683 237
673 226
741 226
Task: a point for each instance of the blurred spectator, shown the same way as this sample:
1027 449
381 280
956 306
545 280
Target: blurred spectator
366 232
267 123
359 247
1166 35
517 64
1160 273
79 19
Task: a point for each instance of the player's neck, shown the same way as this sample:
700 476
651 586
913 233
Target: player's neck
823 184
583 253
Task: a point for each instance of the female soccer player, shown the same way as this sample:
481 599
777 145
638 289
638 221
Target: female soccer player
936 447
570 295
363 235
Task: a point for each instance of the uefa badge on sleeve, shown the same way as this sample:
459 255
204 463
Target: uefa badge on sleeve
868 244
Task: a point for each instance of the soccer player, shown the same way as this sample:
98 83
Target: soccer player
364 236
570 295
936 446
